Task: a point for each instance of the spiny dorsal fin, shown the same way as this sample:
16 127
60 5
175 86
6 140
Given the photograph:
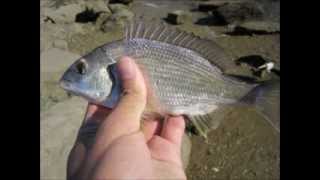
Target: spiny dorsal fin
158 31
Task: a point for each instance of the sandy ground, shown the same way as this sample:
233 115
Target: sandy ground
243 147
59 126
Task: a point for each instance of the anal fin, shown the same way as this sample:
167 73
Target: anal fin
206 123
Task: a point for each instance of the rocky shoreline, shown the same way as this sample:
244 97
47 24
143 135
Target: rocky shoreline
244 28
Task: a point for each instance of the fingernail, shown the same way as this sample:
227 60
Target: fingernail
126 68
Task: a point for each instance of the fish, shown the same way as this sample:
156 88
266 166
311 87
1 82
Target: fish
186 75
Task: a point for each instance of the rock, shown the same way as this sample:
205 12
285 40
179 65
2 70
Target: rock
271 9
120 14
121 1
64 14
210 20
61 44
47 19
86 16
59 126
93 10
117 7
210 5
254 27
117 20
101 19
45 14
252 61
97 6
179 17
238 12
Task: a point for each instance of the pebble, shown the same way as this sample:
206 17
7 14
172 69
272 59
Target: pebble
234 12
238 142
97 6
215 169
179 17
205 167
210 151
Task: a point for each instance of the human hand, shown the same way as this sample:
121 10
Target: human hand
122 148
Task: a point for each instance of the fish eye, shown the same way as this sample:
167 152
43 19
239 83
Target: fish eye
81 67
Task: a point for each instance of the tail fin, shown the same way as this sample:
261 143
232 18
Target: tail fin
266 99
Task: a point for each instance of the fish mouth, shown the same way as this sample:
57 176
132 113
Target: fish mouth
69 87
66 85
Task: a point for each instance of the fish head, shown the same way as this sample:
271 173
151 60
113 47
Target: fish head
89 77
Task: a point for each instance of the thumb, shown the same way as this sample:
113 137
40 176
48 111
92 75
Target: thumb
125 118
134 88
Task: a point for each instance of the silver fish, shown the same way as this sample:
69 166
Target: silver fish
187 74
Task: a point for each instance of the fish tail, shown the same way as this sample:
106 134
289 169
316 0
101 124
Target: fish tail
266 100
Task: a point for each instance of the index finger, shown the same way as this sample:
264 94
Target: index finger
173 129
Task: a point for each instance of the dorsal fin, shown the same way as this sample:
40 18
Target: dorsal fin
158 31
